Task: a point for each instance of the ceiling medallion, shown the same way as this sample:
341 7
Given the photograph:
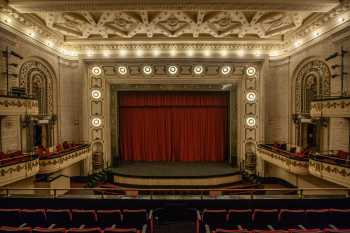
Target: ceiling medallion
198 69
251 121
96 94
251 71
226 70
122 70
147 70
251 96
96 70
96 122
172 70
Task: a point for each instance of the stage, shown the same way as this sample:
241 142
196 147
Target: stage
175 174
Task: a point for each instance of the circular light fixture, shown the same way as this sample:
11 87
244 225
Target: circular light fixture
122 70
172 70
96 122
96 94
198 69
251 96
251 71
147 70
226 70
251 121
96 70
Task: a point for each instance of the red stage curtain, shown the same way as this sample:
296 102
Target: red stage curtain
173 126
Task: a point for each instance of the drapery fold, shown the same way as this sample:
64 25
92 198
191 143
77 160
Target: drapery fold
172 126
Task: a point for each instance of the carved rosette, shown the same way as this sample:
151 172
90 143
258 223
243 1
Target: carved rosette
292 165
19 171
331 172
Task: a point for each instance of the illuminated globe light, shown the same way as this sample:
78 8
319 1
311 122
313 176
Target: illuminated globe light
122 70
250 121
251 96
251 71
226 70
198 70
96 70
96 122
172 70
147 70
96 94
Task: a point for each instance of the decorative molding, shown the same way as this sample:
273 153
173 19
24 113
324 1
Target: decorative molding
54 164
330 172
339 107
291 165
19 171
16 106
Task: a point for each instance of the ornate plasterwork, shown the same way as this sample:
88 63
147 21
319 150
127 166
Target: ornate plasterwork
19 171
339 107
14 106
331 172
295 166
312 76
54 164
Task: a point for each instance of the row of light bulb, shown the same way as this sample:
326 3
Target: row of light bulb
173 70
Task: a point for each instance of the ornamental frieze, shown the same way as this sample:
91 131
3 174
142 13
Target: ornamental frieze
331 108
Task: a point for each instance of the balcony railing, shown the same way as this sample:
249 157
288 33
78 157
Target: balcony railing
18 168
13 105
331 168
284 159
331 107
60 160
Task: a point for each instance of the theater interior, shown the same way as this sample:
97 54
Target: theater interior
177 116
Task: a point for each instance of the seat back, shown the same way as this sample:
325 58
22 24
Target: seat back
107 218
135 218
60 217
34 217
4 229
48 230
263 217
305 231
85 230
10 217
84 217
240 217
121 230
317 218
214 218
291 218
339 217
219 230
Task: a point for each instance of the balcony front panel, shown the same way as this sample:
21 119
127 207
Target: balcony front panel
331 172
17 106
339 107
15 172
280 159
64 160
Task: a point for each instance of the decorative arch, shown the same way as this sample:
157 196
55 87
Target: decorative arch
37 76
312 80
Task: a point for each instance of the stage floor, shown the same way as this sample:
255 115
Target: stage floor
174 169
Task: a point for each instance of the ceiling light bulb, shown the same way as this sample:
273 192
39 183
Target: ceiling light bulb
198 69
147 70
226 70
122 70
172 70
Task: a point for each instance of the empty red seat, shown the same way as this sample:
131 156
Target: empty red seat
59 217
291 218
85 230
121 230
15 229
263 217
34 217
317 218
10 217
48 230
214 218
339 217
84 217
135 218
108 218
241 218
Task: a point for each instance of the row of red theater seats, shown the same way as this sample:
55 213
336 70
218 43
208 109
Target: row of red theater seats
71 230
274 218
326 230
65 218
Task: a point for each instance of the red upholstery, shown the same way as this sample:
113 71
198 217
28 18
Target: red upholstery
229 231
48 230
329 230
121 230
305 231
85 230
16 229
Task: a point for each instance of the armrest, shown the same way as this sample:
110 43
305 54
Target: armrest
144 228
270 227
207 228
23 225
52 226
301 227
